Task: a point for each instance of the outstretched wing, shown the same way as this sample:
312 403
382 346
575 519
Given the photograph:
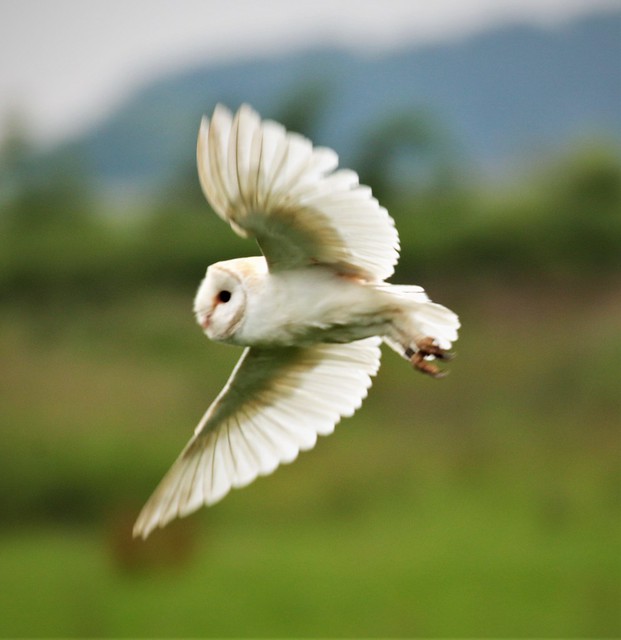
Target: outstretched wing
275 404
274 186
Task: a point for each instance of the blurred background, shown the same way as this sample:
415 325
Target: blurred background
483 505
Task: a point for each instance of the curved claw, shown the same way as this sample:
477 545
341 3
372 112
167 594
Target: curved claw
446 355
426 366
422 359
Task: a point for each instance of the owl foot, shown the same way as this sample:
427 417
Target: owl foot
422 360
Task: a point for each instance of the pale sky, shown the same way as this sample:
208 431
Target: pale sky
68 62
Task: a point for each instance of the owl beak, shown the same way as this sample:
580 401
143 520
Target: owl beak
205 321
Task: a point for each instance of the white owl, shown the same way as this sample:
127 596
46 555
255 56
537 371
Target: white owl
311 313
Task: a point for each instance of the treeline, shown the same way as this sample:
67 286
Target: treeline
58 239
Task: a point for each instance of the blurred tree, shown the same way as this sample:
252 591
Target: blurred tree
583 197
15 148
406 154
183 190
302 110
50 239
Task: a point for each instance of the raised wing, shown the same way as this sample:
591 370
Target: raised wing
274 186
275 404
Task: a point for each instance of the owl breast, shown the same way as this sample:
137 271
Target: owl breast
307 306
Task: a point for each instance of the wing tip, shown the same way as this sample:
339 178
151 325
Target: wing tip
145 524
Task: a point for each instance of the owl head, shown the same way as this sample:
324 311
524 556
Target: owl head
220 302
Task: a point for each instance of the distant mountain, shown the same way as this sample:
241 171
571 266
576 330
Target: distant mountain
499 96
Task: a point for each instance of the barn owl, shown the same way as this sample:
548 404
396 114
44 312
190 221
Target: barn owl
311 312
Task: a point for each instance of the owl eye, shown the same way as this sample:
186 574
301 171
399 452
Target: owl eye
224 296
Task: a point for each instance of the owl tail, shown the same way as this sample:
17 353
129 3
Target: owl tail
422 330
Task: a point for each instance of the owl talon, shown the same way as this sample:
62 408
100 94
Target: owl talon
422 359
447 356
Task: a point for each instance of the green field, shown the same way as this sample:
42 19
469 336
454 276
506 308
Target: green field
485 504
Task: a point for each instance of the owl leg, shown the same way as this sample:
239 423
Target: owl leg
422 359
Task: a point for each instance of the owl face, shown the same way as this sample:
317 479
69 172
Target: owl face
220 302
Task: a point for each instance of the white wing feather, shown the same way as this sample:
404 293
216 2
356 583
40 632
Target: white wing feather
275 404
274 186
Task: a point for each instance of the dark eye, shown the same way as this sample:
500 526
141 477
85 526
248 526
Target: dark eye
224 296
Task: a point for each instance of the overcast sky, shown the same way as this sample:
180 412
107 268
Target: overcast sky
66 62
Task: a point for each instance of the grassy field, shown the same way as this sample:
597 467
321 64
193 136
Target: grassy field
486 504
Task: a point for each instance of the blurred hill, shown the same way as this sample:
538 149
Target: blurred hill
504 95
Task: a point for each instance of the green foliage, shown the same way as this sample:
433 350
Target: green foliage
301 111
484 505
57 241
406 154
563 223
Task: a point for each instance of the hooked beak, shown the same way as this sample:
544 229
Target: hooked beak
205 320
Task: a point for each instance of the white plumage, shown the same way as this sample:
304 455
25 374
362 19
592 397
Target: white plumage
311 313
